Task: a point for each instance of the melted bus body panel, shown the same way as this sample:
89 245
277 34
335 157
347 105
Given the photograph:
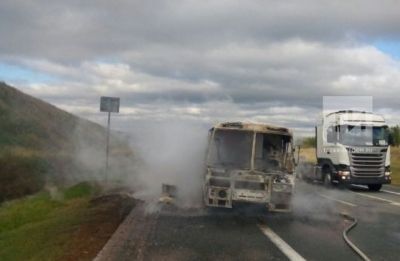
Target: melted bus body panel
251 163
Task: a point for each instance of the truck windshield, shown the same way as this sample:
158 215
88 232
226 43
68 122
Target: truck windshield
363 135
231 148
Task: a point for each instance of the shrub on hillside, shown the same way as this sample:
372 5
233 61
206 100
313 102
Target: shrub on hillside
21 175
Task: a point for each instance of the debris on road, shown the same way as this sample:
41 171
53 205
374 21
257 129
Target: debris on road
168 194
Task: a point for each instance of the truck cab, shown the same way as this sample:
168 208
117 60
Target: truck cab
248 162
353 148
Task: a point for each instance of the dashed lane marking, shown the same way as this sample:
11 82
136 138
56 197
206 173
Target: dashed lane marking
378 198
338 200
383 190
391 192
280 243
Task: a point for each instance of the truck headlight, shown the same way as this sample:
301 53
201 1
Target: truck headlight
387 171
344 173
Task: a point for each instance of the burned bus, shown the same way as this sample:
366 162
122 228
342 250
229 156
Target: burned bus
248 162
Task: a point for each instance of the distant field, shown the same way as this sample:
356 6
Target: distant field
308 154
395 165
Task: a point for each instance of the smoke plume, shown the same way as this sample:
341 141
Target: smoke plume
173 153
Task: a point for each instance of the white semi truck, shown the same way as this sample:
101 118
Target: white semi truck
352 147
251 163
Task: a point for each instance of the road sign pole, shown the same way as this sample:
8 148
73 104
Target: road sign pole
108 104
108 144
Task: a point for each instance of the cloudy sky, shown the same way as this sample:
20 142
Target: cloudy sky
203 61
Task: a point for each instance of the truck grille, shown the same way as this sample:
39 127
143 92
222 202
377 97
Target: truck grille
367 165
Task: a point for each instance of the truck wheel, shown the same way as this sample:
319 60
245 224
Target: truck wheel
374 187
327 177
328 180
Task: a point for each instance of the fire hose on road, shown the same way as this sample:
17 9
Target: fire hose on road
348 241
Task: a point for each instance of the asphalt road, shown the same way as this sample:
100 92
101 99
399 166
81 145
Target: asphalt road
313 230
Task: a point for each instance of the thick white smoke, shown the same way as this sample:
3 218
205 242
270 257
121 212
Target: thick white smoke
172 153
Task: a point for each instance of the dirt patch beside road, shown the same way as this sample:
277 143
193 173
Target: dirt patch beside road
104 215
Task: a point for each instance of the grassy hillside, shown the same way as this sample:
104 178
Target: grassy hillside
41 144
308 154
32 123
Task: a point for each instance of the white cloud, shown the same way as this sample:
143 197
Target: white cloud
280 83
206 61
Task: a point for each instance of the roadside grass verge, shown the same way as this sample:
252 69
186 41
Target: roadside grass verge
395 165
39 227
308 155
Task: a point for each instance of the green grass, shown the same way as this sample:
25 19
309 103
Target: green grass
308 154
82 189
38 227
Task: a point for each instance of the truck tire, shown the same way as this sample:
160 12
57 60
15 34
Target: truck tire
327 177
328 180
374 187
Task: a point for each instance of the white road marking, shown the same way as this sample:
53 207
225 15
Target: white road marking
391 186
383 190
359 186
280 243
378 198
338 200
391 192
